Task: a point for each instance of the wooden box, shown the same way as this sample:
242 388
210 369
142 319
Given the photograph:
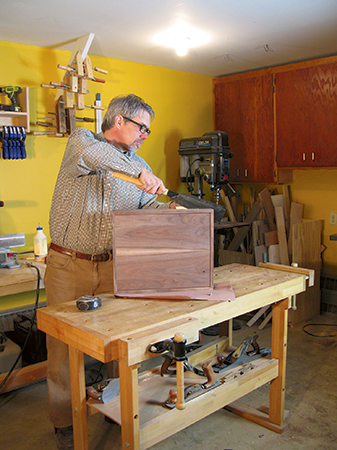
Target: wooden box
162 250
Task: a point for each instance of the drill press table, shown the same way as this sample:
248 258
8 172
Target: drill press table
123 329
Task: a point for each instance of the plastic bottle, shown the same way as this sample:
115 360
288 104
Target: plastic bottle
98 113
40 244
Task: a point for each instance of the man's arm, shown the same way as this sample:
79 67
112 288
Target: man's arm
86 152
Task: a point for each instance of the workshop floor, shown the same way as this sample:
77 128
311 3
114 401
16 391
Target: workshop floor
311 398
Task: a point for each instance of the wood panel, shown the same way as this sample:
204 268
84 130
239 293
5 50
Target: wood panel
244 109
281 235
296 214
307 253
162 250
306 109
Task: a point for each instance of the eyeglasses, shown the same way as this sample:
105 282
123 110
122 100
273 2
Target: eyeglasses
142 128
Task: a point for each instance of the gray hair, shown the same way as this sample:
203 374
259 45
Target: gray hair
127 106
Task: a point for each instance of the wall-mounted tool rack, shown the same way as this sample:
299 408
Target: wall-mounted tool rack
70 95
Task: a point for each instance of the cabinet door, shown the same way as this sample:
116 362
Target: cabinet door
244 110
306 117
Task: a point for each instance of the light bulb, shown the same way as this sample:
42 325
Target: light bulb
181 49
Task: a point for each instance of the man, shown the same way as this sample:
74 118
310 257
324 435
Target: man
79 261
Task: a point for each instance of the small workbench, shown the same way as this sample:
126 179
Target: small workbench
122 329
15 281
20 279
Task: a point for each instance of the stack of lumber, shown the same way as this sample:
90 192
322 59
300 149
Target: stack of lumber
278 233
274 235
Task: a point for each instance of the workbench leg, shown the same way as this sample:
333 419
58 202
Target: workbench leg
128 378
78 398
226 329
279 351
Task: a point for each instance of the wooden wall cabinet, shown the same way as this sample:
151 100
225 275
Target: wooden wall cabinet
244 110
306 117
278 119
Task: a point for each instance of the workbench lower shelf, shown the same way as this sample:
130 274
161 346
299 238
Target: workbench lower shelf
158 422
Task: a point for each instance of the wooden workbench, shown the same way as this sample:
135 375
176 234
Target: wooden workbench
123 329
15 281
20 279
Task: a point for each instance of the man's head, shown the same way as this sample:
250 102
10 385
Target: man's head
127 121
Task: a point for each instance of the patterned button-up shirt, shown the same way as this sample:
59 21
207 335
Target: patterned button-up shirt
86 193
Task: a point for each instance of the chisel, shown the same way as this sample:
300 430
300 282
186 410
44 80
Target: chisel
185 200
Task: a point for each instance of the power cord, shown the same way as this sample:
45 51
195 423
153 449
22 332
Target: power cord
31 324
320 325
189 173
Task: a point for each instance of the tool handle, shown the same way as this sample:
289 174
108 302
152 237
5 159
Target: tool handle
97 69
70 69
50 86
94 107
57 84
98 80
132 180
180 377
127 178
85 119
5 153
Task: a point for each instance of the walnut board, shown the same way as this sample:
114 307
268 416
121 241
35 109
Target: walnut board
306 250
162 250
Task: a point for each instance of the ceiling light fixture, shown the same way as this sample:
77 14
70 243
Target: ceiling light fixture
181 37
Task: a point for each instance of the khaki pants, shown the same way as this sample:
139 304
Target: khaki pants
68 278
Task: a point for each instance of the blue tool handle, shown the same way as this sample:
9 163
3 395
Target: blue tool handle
5 153
16 142
10 143
4 140
22 143
10 150
23 151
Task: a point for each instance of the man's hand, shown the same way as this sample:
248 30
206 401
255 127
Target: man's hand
174 205
151 183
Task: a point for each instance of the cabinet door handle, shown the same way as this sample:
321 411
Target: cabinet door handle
246 172
313 156
303 155
238 172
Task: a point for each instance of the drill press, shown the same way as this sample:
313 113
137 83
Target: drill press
207 159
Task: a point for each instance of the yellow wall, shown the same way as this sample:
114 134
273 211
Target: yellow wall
182 101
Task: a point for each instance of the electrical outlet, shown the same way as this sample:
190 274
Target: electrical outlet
333 218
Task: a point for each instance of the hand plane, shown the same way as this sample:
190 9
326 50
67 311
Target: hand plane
241 355
105 391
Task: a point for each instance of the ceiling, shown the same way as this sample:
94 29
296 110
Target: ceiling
242 34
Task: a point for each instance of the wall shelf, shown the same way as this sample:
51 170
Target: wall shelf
16 118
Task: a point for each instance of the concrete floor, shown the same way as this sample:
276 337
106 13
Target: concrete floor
311 398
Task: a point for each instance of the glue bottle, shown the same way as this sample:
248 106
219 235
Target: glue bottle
98 113
40 244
